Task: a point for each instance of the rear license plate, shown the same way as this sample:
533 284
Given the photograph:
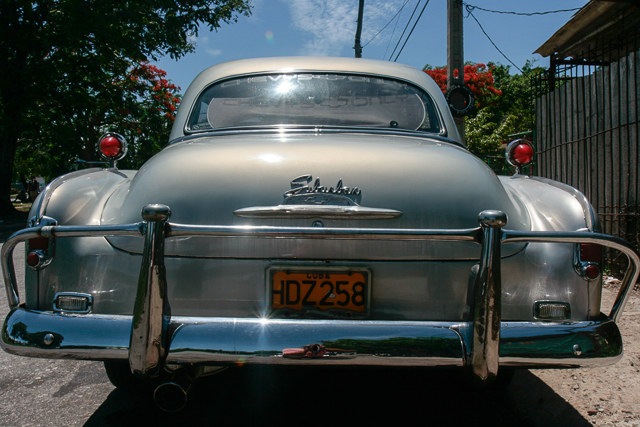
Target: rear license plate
326 290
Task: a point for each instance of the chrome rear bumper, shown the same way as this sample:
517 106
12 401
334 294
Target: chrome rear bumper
152 336
221 341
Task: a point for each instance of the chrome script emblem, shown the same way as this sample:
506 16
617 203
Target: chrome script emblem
306 200
301 185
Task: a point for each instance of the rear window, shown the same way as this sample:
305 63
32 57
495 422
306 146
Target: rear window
314 99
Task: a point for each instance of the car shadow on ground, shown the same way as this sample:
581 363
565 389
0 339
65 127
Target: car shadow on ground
342 396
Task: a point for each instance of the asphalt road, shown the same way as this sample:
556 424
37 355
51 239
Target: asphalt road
40 392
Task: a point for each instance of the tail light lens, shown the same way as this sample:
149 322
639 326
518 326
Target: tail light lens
39 243
590 252
552 310
112 146
35 259
520 153
590 259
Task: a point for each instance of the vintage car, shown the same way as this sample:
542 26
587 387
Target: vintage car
311 211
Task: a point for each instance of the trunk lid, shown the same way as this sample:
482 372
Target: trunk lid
216 180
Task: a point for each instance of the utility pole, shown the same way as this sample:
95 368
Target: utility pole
358 46
455 52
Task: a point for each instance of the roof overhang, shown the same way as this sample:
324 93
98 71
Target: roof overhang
597 22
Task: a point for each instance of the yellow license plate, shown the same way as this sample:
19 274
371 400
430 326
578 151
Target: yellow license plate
324 290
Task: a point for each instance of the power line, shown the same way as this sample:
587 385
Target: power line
393 33
414 27
405 29
520 13
390 21
469 11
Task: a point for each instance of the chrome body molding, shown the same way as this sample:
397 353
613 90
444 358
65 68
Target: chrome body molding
317 211
220 341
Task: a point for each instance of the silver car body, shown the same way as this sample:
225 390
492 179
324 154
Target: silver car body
457 260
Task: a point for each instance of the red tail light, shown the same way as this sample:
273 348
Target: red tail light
520 153
39 243
35 259
592 272
590 252
112 146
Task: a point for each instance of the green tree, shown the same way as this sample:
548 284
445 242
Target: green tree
511 113
504 102
140 105
59 53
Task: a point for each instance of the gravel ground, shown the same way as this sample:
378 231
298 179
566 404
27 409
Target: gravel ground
608 396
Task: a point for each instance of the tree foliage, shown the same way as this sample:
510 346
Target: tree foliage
477 77
140 105
64 58
513 113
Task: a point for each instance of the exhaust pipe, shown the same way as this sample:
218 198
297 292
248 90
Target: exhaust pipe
171 395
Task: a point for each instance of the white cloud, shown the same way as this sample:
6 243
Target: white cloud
256 11
331 24
214 52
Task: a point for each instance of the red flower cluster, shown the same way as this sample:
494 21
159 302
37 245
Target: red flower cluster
478 78
150 78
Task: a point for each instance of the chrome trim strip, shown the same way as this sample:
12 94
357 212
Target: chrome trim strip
183 230
443 129
317 211
633 271
315 130
262 341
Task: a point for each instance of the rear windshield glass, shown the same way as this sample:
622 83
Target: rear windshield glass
314 99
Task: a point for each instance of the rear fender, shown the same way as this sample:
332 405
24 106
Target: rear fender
77 198
554 206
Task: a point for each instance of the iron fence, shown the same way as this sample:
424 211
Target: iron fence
587 118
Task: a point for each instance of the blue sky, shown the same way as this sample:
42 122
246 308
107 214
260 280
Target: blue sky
327 28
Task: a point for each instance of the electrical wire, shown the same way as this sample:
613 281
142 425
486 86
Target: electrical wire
520 13
414 27
390 21
469 11
393 33
405 29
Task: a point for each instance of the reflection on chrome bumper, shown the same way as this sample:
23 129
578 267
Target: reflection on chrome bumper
262 341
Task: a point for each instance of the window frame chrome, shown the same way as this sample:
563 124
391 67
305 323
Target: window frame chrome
188 132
